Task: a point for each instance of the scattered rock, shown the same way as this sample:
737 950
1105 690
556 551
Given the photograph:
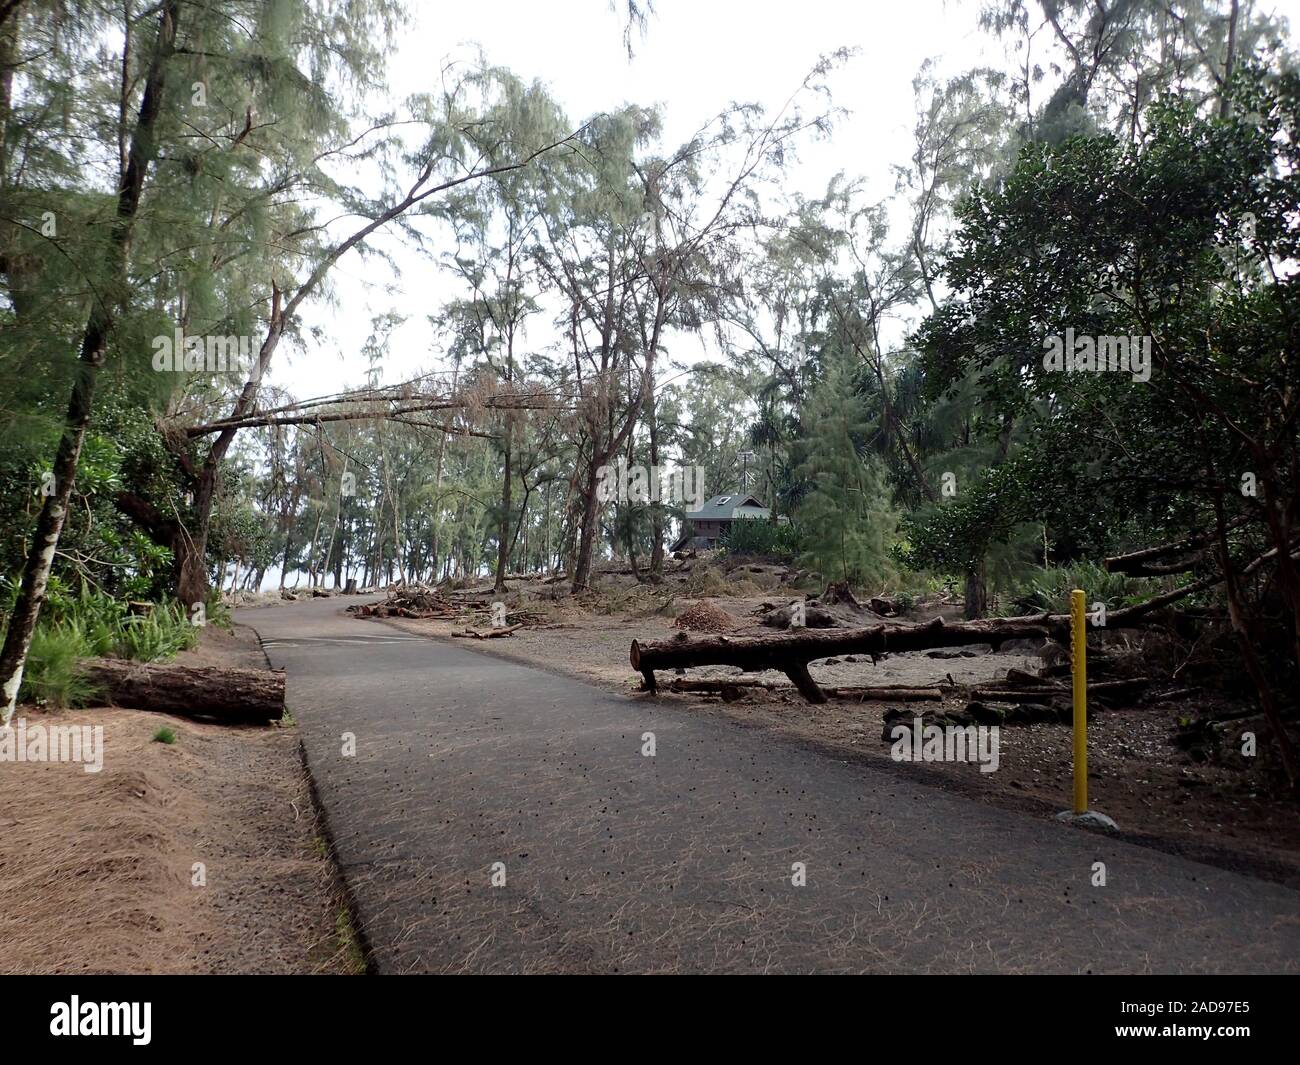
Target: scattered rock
1089 819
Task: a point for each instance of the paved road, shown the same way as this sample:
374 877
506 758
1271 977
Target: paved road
618 862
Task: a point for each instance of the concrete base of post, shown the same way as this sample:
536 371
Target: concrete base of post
1089 819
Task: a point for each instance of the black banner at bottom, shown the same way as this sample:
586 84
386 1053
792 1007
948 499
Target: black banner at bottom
84 1015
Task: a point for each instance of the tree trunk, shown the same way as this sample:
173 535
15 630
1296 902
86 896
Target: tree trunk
503 533
226 695
1229 57
49 524
657 507
977 594
587 536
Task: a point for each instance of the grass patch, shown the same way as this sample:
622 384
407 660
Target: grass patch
349 942
165 735
51 677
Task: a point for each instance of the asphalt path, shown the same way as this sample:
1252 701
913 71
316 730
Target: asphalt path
492 817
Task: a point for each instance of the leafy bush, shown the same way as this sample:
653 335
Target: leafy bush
218 613
165 735
1049 589
754 536
158 634
89 625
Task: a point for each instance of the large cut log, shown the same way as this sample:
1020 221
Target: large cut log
240 696
791 652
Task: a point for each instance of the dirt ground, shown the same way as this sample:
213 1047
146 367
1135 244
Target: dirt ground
1227 814
199 856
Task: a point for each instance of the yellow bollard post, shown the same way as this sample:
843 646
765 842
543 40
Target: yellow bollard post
1079 656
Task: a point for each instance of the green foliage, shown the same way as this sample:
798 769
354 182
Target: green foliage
764 538
1174 239
91 624
241 532
165 735
159 634
1047 590
51 677
218 614
847 520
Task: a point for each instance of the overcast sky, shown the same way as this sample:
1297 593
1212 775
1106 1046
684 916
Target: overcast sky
696 57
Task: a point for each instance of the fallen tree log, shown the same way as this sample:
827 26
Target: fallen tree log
791 652
231 696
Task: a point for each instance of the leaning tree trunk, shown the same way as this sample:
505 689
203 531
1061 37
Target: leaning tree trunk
94 344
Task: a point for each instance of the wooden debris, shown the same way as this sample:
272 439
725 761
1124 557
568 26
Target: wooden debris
490 634
230 696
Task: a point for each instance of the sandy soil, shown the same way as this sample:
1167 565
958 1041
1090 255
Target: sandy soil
202 856
1227 814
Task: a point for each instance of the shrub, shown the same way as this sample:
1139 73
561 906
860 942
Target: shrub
754 536
89 625
1048 590
158 634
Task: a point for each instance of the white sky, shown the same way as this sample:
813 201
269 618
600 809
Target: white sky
697 57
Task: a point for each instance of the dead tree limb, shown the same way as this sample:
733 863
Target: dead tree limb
1185 553
491 634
